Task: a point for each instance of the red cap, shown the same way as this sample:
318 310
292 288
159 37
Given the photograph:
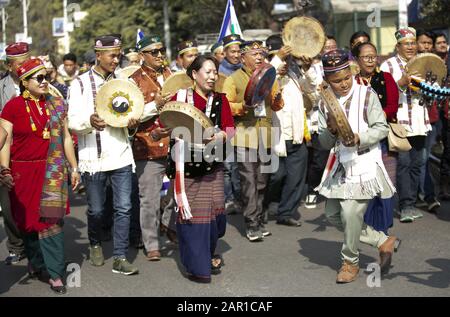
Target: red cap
29 67
17 50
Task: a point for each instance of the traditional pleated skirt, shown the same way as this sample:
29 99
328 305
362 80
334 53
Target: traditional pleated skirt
197 237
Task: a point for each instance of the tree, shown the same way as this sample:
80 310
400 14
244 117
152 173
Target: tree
112 16
435 13
39 23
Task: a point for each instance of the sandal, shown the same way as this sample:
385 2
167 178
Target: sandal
216 264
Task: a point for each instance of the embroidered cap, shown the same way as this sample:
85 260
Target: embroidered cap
405 34
29 67
186 46
335 61
19 50
216 47
252 46
148 42
108 42
231 39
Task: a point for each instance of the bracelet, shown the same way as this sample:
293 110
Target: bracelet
74 170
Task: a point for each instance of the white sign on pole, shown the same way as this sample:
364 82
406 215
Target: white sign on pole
20 37
58 26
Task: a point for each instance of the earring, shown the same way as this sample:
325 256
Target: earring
26 94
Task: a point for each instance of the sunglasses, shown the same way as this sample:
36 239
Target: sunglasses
40 78
155 52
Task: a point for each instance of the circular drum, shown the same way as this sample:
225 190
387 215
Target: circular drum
177 114
424 63
175 82
305 35
260 85
127 71
118 101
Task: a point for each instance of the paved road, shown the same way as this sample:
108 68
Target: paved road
292 262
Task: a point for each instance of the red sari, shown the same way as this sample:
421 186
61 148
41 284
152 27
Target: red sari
29 152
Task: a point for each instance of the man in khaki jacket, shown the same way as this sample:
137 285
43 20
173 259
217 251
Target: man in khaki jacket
253 137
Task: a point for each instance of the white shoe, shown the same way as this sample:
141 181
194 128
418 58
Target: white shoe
311 201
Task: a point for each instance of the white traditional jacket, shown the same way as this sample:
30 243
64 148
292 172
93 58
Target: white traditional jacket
114 149
356 172
410 114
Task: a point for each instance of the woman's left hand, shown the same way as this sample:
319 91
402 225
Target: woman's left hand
75 179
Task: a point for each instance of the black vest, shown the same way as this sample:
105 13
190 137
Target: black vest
201 162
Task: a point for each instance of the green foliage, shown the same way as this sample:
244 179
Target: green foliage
436 13
187 19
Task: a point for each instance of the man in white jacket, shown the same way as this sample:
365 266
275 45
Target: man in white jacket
285 185
104 153
414 118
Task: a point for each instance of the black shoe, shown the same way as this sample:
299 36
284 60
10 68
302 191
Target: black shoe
14 258
289 222
60 290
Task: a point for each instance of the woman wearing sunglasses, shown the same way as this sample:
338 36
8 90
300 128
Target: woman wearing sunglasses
380 211
34 169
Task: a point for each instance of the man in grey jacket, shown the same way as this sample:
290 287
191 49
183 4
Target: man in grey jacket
9 88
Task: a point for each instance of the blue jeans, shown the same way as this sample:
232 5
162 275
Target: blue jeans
426 181
232 180
121 184
409 168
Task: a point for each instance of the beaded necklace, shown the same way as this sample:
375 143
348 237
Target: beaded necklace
45 131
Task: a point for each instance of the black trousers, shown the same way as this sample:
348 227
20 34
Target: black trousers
318 158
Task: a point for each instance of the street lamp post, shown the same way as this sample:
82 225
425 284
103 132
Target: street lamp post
66 31
167 29
25 6
4 19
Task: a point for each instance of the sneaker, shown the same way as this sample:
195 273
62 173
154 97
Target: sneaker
311 201
264 231
254 234
96 255
122 266
406 215
433 205
14 258
420 201
416 213
289 222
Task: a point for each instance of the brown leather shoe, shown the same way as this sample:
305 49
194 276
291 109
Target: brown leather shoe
348 273
386 252
154 255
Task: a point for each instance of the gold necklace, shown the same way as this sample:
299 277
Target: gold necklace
45 131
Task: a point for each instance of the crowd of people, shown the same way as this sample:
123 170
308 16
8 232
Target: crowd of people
52 138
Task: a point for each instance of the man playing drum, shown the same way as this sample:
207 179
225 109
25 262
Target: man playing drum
414 118
252 139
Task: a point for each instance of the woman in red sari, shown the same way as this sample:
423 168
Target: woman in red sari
34 168
199 180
